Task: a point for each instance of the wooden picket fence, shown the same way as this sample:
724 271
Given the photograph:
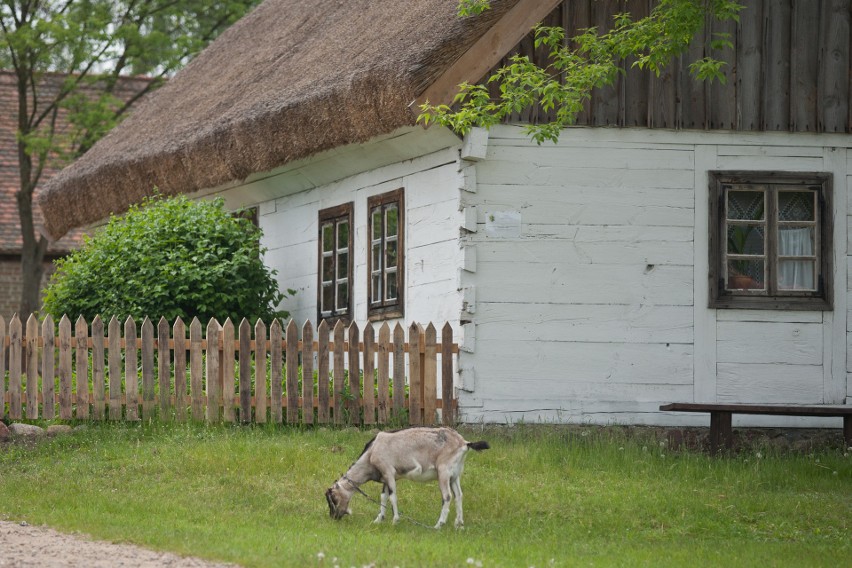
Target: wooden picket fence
180 376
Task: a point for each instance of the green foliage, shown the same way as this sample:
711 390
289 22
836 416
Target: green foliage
567 82
171 258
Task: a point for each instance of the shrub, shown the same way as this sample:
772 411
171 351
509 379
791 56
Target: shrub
172 258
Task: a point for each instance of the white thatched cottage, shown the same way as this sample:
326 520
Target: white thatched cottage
686 242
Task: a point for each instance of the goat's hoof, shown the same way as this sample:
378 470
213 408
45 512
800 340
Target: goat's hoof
378 520
438 526
459 526
396 520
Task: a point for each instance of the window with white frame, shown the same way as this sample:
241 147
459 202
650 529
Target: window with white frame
334 295
386 258
771 240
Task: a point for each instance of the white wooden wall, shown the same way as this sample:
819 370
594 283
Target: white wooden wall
594 307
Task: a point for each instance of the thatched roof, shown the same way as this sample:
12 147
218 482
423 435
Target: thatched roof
289 80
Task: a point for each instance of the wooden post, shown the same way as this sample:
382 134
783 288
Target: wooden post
354 375
384 374
179 335
227 364
98 375
32 368
211 370
148 390
245 371
131 366
15 350
339 372
196 380
292 337
164 368
398 371
430 376
260 372
276 384
65 355
415 374
114 355
447 395
81 337
721 433
2 366
307 373
322 373
48 374
369 374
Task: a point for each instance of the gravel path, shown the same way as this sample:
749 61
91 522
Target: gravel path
35 547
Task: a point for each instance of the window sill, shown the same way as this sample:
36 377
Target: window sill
767 303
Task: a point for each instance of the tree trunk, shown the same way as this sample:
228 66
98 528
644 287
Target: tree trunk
33 247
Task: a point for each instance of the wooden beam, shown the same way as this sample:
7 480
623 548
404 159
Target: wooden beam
487 51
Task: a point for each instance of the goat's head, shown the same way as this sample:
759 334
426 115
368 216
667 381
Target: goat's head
338 502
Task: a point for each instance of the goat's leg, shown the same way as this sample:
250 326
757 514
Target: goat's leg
455 483
446 495
383 506
390 484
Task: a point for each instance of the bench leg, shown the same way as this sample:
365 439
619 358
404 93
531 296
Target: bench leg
847 430
721 434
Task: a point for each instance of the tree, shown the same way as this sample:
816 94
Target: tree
171 258
91 43
596 61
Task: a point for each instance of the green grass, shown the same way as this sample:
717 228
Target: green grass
542 496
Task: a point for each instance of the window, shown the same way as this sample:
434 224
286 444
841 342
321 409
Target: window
771 240
334 295
385 261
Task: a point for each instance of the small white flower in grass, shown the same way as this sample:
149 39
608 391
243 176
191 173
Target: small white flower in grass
470 560
758 455
320 555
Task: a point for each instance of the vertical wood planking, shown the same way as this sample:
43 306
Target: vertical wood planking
196 379
447 411
149 394
605 101
245 371
804 66
276 388
32 367
81 343
131 373
164 368
776 88
415 379
339 371
15 351
369 403
211 369
354 402
114 355
722 97
636 81
98 375
398 372
260 372
383 374
66 411
307 373
835 74
577 16
179 335
48 373
292 337
430 376
693 100
749 65
228 367
322 373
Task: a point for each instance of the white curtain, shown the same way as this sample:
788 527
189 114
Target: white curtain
796 274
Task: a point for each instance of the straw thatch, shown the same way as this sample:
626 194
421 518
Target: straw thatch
292 78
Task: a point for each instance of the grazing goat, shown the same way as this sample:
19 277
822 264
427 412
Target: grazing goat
420 454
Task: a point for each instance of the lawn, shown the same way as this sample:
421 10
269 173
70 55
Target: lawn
542 496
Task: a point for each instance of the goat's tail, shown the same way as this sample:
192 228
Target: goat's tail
478 446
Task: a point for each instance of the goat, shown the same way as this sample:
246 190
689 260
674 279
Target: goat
419 454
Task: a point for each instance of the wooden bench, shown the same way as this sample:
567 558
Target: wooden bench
721 434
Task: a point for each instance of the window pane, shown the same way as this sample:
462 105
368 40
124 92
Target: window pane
392 218
377 257
327 268
327 237
393 289
343 235
745 239
796 205
745 205
342 296
327 298
796 241
376 221
342 265
376 288
796 275
745 275
391 254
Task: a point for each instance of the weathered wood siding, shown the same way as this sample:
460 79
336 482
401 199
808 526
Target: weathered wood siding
589 276
789 71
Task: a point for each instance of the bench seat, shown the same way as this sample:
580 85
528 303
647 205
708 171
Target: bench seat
721 433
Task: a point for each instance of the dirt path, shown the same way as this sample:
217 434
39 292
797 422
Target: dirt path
37 547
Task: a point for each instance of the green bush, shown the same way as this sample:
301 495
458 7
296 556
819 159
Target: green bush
172 258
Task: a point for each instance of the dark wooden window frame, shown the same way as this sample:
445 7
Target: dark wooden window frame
821 299
335 214
387 309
